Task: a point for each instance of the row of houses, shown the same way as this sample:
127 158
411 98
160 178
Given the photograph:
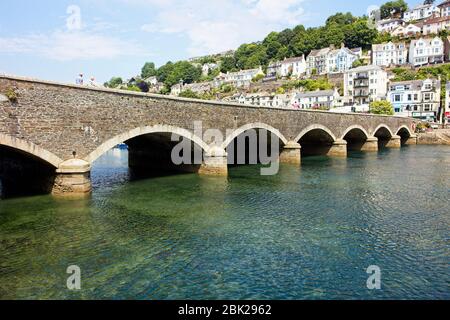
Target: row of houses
419 99
423 19
417 53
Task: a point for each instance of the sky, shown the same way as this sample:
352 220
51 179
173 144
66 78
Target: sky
56 40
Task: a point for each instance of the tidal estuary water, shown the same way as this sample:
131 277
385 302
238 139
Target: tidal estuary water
306 233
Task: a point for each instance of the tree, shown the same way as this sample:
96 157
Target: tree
114 82
341 18
182 71
228 64
381 107
392 8
148 70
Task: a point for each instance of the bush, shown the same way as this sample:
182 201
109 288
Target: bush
189 94
257 78
381 107
11 95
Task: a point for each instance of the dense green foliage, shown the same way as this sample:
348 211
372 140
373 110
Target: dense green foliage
381 107
308 85
392 8
114 82
148 70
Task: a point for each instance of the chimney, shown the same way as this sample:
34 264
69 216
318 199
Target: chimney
332 46
342 45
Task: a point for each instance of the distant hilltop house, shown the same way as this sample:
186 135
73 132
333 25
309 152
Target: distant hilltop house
224 54
320 99
295 67
208 67
365 84
331 60
426 51
419 99
390 54
152 81
238 79
420 12
444 8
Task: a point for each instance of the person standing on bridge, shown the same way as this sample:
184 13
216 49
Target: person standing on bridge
79 79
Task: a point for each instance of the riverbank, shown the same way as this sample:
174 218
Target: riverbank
436 137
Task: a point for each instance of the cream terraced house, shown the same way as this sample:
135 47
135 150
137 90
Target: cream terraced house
426 51
320 99
365 84
389 25
389 54
406 31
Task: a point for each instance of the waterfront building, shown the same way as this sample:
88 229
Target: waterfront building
426 51
420 12
446 115
416 98
390 53
237 79
365 84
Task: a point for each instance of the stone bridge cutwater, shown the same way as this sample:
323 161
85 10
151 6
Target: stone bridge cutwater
51 133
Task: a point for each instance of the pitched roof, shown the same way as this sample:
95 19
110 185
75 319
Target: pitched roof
319 93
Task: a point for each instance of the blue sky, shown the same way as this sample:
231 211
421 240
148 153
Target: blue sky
55 40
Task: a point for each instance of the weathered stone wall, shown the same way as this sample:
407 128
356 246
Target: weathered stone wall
67 119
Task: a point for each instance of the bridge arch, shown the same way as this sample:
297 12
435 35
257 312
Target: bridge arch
140 131
404 128
383 127
256 125
30 149
355 128
312 128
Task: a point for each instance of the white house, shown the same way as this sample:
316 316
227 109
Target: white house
421 11
151 80
365 84
417 98
390 53
320 99
406 31
389 25
288 67
425 51
238 79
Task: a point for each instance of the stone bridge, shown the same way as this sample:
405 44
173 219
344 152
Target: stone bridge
53 132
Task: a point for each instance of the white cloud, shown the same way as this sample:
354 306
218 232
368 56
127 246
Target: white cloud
64 46
218 25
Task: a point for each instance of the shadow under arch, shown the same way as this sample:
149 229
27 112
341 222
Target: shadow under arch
25 168
356 136
141 131
384 135
253 143
405 133
315 140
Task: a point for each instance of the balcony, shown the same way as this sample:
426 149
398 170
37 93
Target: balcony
361 84
361 76
361 94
